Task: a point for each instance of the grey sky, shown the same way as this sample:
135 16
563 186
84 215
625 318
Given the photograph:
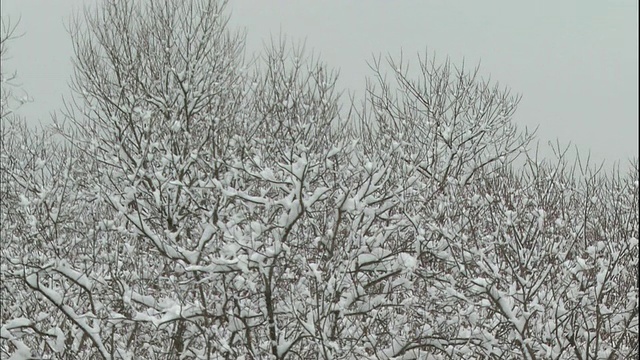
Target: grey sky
574 62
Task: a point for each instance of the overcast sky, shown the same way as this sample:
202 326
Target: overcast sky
574 62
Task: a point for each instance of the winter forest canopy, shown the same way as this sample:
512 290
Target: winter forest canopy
192 203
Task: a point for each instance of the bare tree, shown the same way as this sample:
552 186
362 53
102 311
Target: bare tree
451 123
9 101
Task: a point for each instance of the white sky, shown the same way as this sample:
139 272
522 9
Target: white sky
574 62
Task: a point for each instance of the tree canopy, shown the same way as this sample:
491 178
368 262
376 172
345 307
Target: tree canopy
190 203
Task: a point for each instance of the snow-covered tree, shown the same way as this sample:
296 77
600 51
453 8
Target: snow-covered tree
200 206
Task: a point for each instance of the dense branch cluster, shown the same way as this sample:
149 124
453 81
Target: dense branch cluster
190 204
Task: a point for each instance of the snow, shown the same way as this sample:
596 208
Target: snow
507 308
316 273
257 257
22 351
267 174
5 334
284 346
16 323
366 259
333 152
172 310
58 344
299 167
40 163
78 277
308 324
24 201
349 205
80 321
407 261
